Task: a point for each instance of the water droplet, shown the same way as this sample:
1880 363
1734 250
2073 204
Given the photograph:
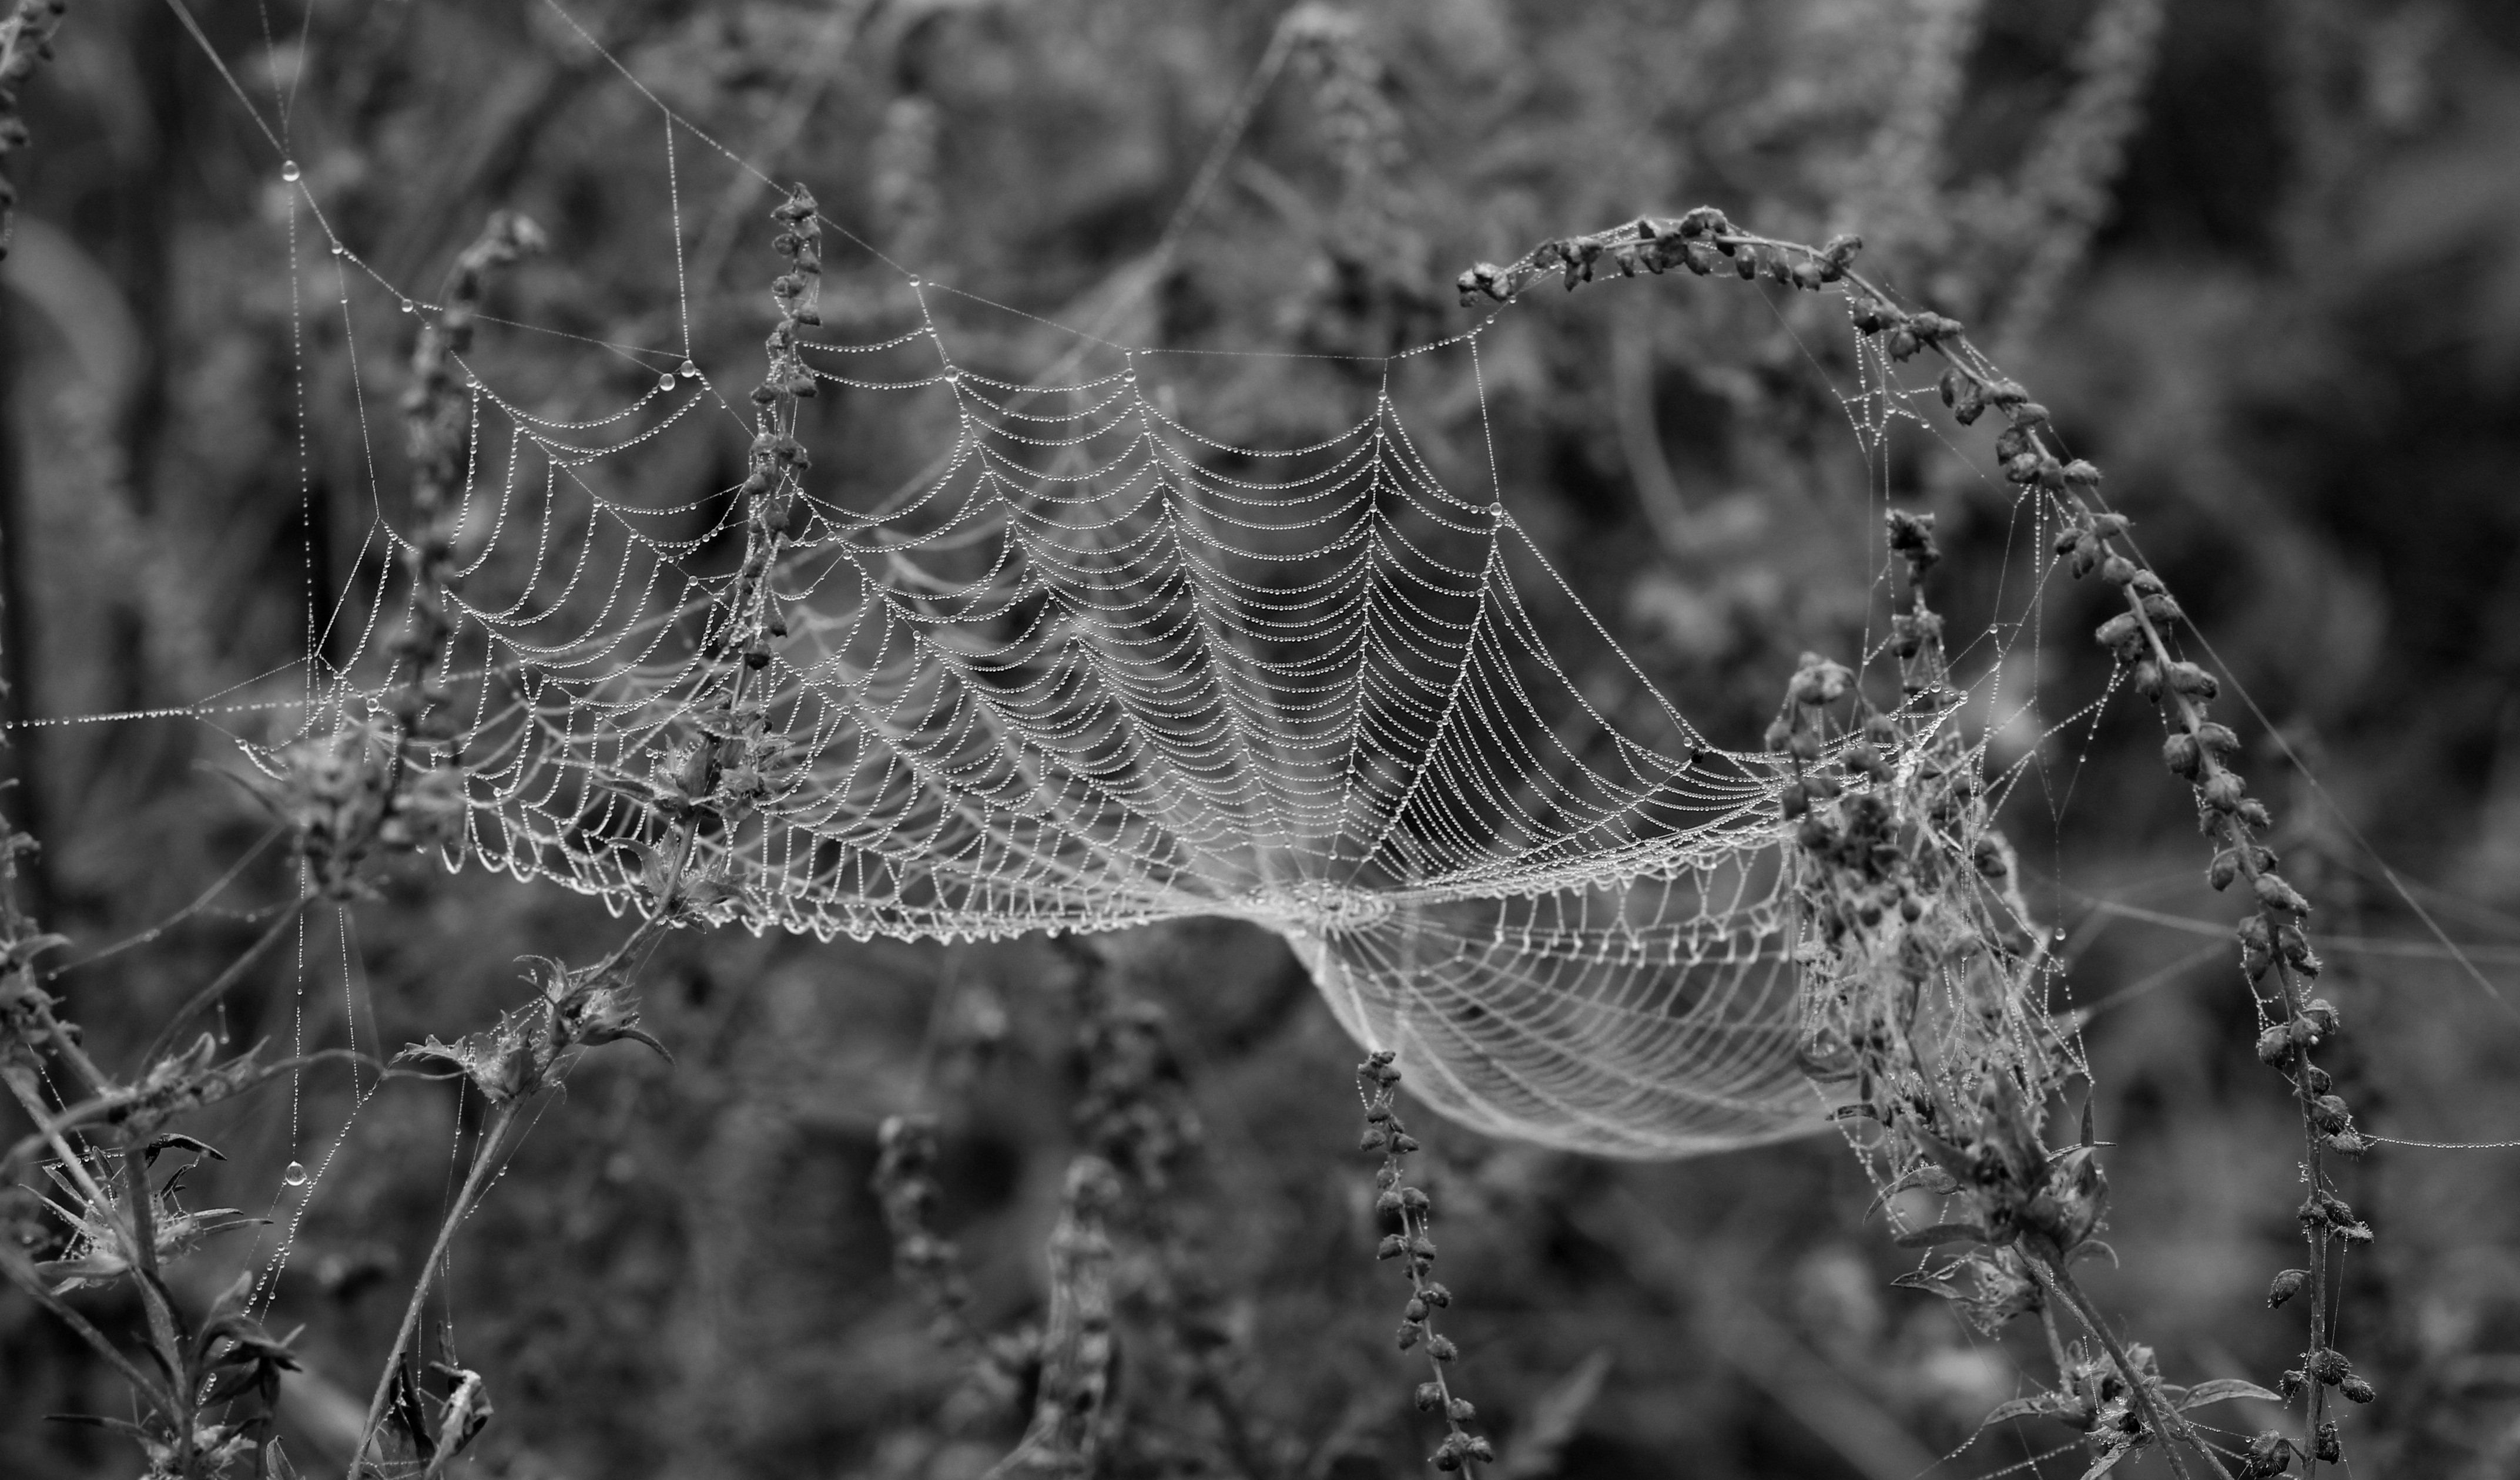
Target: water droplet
407 306
1129 376
914 280
295 1176
690 370
288 171
666 382
340 250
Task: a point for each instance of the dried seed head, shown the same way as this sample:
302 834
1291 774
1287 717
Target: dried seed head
2357 1388
2269 1455
2182 755
2326 1445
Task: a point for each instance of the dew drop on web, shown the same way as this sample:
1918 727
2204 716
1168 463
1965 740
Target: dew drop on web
407 306
690 370
295 1176
666 382
288 171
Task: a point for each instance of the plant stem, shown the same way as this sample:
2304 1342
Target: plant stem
485 1159
2172 1428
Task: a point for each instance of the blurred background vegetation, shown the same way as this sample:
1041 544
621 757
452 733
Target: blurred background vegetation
2259 256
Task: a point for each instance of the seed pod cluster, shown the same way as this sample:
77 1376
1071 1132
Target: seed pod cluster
1702 241
772 486
905 1185
26 43
1378 1082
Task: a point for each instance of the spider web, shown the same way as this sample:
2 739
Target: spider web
1092 668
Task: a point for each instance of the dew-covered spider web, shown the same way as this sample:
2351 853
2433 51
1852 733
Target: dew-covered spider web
1087 667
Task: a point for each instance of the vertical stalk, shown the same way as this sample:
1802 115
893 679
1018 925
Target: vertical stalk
485 1160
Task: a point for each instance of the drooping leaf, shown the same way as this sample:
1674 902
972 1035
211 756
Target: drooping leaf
2223 1390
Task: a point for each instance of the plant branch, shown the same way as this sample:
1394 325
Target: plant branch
485 1161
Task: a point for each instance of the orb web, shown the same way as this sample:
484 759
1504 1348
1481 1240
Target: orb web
1090 666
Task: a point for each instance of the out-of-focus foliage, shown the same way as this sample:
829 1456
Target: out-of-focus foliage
2287 321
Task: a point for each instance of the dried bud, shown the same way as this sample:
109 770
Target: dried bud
2287 1283
2279 896
2122 635
2193 681
2328 1366
2181 754
2275 1046
2269 1453
2357 1388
